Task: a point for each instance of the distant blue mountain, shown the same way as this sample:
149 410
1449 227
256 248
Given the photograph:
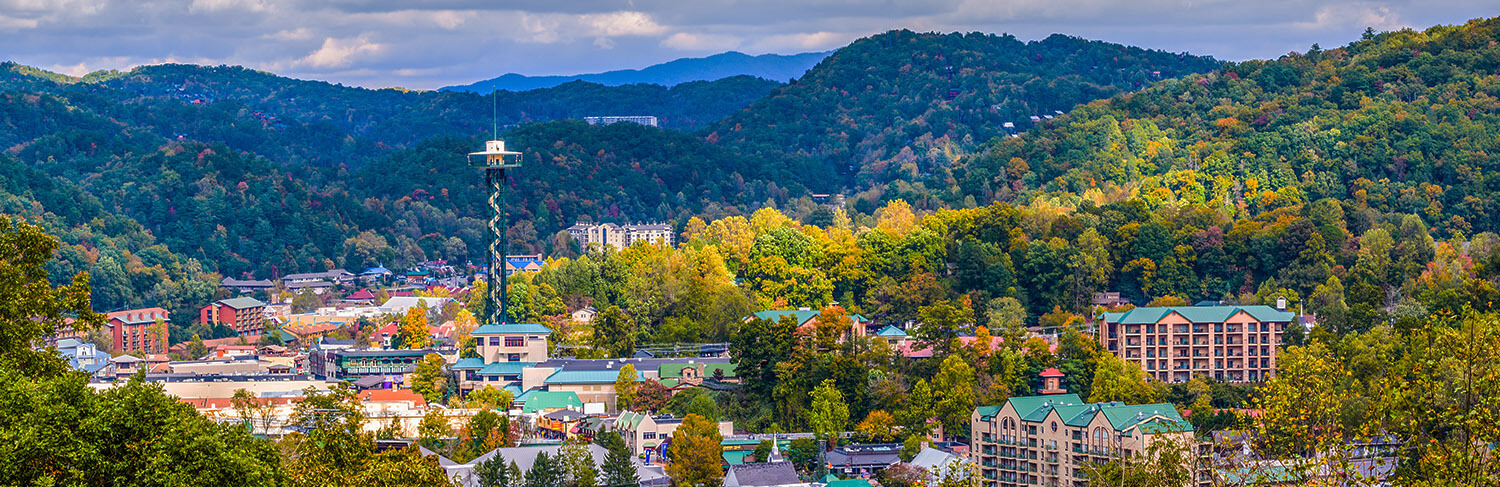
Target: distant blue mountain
775 67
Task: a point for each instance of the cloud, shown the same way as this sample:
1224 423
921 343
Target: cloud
431 43
11 24
340 53
228 5
615 24
684 41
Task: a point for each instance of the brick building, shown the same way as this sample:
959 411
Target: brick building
246 316
136 330
1173 344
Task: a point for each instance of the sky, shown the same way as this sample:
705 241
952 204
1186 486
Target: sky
426 44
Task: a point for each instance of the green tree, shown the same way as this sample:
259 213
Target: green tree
578 463
614 333
429 378
546 471
954 387
434 427
32 307
696 453
919 409
619 470
829 414
1165 463
941 325
1118 380
625 386
492 472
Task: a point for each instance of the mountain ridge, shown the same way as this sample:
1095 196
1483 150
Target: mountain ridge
774 67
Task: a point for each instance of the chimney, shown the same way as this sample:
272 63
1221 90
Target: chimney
1281 303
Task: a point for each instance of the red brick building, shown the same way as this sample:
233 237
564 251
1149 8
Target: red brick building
136 330
246 316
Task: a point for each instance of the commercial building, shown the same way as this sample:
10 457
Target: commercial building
354 364
1173 344
137 330
246 316
1050 440
505 350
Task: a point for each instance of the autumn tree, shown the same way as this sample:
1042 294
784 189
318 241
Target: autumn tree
429 378
696 453
413 332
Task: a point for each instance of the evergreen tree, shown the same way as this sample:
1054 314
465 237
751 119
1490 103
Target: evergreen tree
546 471
619 470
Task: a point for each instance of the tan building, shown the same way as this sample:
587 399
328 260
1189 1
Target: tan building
1173 344
644 432
505 351
1049 440
598 236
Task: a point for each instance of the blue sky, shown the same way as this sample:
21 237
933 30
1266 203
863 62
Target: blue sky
430 43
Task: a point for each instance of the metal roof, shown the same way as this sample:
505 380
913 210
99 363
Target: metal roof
512 329
1198 314
587 377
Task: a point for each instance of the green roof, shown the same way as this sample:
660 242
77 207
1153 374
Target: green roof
242 303
1198 314
504 368
736 457
709 369
801 315
286 336
830 478
669 383
987 412
511 329
850 483
671 369
1151 418
543 400
1034 408
890 331
471 363
587 377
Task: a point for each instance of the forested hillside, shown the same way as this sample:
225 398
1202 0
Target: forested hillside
1397 122
902 105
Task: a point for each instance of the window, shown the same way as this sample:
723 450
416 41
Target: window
494 341
1054 426
514 357
515 341
648 435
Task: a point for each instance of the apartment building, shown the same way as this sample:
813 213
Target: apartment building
246 316
1050 440
1173 344
136 330
591 235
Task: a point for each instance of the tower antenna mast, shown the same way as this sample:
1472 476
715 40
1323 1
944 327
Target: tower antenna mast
494 160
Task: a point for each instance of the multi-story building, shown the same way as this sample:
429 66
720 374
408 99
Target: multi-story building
505 350
136 330
591 235
1050 440
1173 344
354 364
246 316
647 435
647 120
